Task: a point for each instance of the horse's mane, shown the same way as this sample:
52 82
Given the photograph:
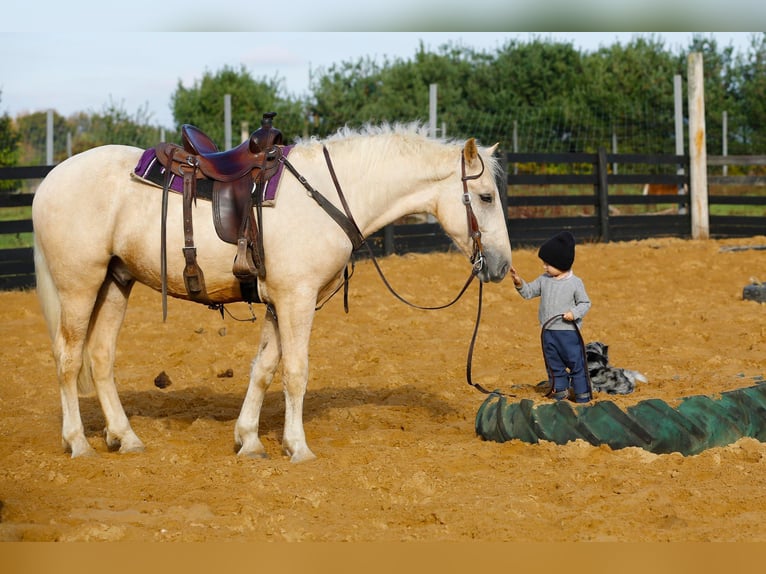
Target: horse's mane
413 129
414 136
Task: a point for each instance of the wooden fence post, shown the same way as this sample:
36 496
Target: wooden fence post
502 183
697 149
603 194
388 240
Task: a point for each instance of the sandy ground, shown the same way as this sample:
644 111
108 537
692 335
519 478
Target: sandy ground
391 418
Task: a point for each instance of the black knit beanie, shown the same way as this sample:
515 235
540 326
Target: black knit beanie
559 251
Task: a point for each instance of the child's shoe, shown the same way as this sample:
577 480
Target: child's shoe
581 398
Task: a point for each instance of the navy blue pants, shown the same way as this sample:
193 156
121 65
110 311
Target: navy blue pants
565 361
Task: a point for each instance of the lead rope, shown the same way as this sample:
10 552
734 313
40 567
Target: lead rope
352 224
353 232
477 260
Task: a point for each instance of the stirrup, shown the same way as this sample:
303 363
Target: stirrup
244 267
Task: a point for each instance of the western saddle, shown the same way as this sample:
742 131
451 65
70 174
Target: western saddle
238 179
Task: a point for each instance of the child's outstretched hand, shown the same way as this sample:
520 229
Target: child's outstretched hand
516 277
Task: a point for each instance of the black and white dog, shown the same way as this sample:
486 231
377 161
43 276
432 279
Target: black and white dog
606 378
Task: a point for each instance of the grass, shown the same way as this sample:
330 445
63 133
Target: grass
530 211
11 240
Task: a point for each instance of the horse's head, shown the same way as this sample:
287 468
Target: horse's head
471 212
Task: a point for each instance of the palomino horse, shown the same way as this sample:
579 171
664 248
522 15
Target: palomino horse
90 218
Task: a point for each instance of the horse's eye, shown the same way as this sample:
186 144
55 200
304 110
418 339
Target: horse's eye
486 197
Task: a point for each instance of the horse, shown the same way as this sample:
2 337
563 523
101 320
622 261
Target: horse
667 189
97 232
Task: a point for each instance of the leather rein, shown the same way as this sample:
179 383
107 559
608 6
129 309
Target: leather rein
349 226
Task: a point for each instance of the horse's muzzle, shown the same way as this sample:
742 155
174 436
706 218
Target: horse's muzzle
493 269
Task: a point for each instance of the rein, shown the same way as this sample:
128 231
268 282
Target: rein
348 224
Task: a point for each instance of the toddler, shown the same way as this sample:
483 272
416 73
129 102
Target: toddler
563 304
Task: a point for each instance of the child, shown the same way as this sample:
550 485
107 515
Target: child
563 303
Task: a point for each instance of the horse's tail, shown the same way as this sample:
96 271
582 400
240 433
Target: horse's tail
51 308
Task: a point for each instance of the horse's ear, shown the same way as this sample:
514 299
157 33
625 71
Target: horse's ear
470 151
491 151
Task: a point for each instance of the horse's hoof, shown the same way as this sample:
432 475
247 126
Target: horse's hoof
129 443
303 456
78 447
84 453
129 449
112 442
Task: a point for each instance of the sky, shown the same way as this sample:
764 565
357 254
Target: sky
86 55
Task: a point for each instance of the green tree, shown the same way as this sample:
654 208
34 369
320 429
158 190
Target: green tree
632 86
524 82
9 149
33 129
202 104
721 89
746 99
341 94
114 125
363 91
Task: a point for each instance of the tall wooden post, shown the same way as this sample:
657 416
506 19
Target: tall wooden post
697 149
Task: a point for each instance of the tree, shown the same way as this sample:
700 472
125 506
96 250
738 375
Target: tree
747 99
9 149
721 89
202 104
342 95
114 125
633 85
363 91
33 129
532 83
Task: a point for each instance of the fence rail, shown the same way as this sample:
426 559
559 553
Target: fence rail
16 262
599 217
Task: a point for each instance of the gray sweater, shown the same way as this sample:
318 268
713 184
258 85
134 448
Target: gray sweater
557 296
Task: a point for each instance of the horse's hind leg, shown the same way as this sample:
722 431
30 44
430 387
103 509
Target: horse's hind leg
261 374
68 345
101 345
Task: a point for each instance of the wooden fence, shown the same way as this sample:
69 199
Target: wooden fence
598 215
732 225
599 205
17 269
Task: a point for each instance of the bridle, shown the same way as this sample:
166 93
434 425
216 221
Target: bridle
477 258
347 223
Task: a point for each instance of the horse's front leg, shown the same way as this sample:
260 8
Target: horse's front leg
261 374
294 332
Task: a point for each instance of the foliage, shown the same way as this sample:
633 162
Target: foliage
202 104
82 131
546 96
33 131
537 96
9 149
748 97
114 125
